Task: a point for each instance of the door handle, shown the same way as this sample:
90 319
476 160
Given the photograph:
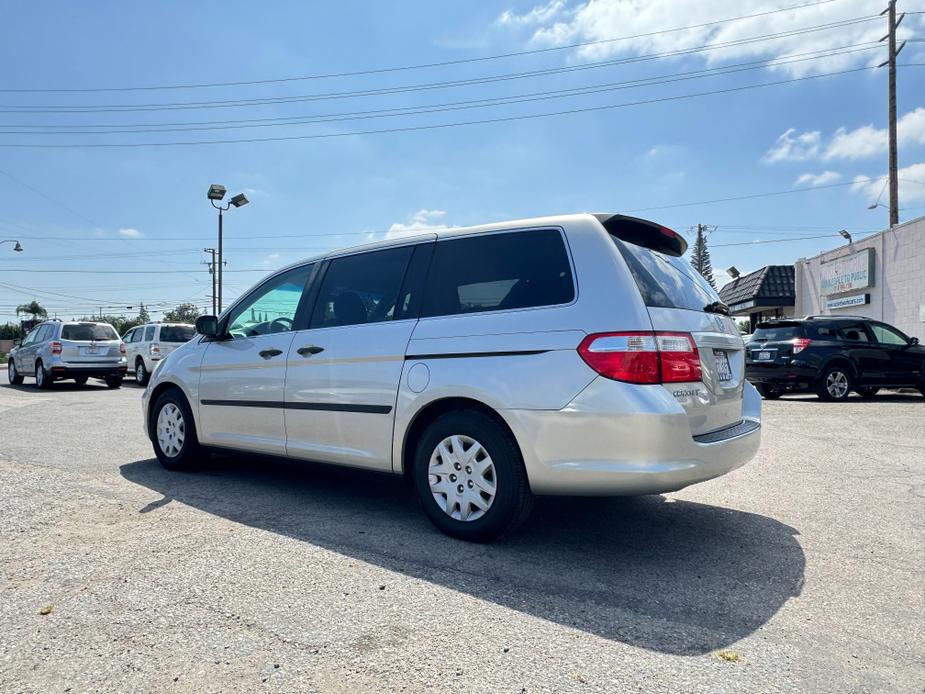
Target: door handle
309 350
269 353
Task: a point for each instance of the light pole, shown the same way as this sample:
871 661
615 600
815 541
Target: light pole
217 193
17 247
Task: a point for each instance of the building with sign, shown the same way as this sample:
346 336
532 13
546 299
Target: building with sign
881 276
762 294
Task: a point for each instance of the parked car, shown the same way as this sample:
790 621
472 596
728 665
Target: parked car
147 344
832 356
564 355
56 350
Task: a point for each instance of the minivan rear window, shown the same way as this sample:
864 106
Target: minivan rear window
777 333
666 281
177 333
88 331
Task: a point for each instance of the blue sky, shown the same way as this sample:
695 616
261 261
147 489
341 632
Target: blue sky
84 213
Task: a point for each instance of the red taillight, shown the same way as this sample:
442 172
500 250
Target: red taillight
155 350
55 347
122 348
643 357
800 343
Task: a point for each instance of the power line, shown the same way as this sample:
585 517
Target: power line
435 126
379 71
427 86
450 106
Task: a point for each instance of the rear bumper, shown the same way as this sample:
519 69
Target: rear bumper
785 375
620 440
88 370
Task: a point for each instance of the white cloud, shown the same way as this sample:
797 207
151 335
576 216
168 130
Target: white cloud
800 148
538 15
271 259
911 185
818 179
601 20
865 141
422 220
130 233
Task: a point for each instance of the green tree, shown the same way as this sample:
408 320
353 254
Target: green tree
33 308
700 256
10 331
744 326
143 315
184 313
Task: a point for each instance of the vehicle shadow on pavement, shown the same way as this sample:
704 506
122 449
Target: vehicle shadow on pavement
57 386
670 576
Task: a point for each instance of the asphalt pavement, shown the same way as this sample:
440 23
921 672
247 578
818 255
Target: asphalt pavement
802 571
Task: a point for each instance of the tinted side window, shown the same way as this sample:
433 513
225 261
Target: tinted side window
821 332
139 335
887 335
498 272
128 336
853 332
149 333
271 308
361 288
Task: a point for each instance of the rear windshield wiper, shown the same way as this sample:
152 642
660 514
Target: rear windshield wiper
717 307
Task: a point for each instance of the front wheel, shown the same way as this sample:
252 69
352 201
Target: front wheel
769 392
470 477
11 373
868 391
174 432
835 384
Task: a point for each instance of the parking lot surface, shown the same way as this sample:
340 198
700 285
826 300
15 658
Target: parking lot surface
802 571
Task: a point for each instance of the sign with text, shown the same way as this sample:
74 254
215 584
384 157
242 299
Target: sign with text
846 301
855 271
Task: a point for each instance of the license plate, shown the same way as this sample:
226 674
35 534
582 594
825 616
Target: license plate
723 370
92 350
764 356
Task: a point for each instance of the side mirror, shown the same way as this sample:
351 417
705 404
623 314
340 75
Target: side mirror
207 325
913 340
17 342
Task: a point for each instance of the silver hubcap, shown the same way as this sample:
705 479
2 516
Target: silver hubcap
171 429
140 372
462 478
837 384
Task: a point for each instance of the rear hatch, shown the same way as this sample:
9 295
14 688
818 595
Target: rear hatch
680 300
172 336
90 343
774 343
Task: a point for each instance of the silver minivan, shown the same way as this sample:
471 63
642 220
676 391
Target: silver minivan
570 355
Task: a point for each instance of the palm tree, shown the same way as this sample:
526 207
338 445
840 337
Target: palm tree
33 308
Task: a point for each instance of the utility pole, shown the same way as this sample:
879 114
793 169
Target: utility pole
892 24
219 301
212 273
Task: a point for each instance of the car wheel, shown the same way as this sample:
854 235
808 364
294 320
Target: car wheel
868 391
769 392
113 382
80 380
835 384
42 379
173 432
141 373
12 374
470 477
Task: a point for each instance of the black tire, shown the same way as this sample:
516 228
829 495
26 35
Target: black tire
42 379
113 382
769 392
868 391
12 374
513 500
190 453
141 373
80 380
825 389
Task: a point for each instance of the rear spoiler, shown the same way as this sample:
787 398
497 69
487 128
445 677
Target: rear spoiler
642 232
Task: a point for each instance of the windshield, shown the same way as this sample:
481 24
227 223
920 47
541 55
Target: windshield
177 333
776 333
666 281
88 331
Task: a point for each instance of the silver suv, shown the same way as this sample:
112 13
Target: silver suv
55 350
147 344
562 355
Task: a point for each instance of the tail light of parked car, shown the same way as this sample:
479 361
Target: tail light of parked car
800 343
122 348
643 357
55 347
155 350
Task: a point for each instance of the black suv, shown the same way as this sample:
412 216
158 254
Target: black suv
832 356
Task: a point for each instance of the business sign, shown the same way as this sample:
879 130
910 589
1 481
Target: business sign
846 301
855 271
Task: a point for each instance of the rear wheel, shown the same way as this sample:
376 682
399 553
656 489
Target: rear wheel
835 384
868 391
470 477
141 373
174 432
769 392
80 380
113 382
12 374
42 379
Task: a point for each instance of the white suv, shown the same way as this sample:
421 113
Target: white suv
147 344
562 355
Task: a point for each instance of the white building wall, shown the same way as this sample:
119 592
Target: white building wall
898 294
